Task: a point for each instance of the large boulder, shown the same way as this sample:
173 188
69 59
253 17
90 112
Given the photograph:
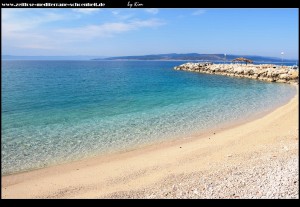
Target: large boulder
281 81
283 76
269 73
294 74
247 71
238 70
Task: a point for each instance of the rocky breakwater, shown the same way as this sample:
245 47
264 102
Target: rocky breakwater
264 72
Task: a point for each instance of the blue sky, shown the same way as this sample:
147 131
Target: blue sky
118 32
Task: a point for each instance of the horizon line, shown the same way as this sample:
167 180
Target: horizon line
102 56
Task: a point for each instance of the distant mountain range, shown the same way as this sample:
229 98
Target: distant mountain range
195 56
162 57
76 57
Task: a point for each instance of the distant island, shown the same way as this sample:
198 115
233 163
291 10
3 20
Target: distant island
155 57
75 57
196 57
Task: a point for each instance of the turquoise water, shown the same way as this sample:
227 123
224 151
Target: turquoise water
58 111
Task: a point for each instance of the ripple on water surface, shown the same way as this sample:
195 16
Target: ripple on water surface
58 111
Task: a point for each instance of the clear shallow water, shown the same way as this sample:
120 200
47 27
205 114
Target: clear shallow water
58 111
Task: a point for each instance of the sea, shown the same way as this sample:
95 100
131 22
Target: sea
54 112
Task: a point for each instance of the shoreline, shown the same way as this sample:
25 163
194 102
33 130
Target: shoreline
194 135
138 168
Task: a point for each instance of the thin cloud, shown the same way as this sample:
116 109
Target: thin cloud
115 12
122 16
152 11
20 32
86 10
198 12
28 29
110 29
13 22
33 40
38 46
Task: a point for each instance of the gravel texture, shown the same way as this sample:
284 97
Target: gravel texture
270 173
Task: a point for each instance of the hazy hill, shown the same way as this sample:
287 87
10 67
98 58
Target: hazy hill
78 57
171 56
194 56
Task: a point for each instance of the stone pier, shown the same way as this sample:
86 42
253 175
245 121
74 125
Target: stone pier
264 72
